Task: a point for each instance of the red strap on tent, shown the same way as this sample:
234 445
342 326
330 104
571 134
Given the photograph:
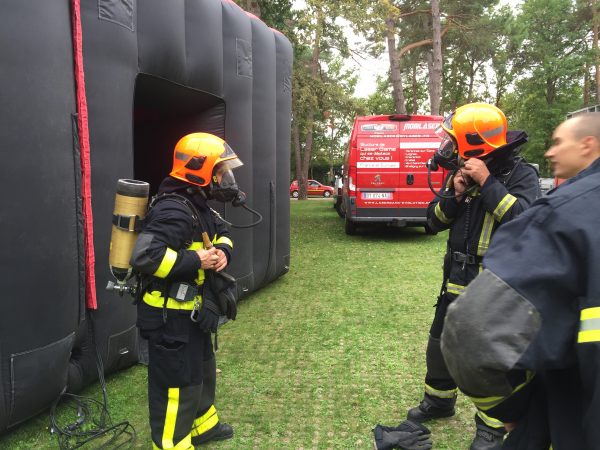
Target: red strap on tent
84 144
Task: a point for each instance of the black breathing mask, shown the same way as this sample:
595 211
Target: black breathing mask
446 155
226 189
223 188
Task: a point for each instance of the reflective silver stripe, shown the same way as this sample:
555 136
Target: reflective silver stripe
455 288
589 327
504 205
440 394
440 215
181 156
494 132
486 234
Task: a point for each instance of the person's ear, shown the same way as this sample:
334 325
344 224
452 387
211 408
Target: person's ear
590 145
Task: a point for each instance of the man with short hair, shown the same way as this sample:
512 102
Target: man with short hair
535 352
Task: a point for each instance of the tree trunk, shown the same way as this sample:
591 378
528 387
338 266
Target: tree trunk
398 90
414 89
253 7
297 151
436 73
472 72
586 85
314 71
430 72
594 5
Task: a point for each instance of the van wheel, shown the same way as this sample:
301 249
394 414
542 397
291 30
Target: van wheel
295 194
326 194
339 208
429 230
349 227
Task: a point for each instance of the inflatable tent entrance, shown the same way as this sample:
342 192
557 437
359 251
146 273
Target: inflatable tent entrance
153 70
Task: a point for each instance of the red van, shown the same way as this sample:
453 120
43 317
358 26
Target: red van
385 172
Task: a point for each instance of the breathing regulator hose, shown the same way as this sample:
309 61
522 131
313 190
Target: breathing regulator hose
432 165
256 213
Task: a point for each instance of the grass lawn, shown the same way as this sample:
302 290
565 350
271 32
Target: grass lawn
320 356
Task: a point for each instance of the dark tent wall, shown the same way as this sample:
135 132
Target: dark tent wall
154 71
237 89
42 297
283 87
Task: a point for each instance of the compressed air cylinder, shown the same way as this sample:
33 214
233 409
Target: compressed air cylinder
131 204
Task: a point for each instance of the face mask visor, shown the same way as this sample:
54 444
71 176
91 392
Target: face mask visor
448 147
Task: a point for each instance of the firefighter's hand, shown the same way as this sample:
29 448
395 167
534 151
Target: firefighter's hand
476 169
208 258
222 261
460 185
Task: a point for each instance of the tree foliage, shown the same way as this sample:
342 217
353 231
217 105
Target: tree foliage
536 62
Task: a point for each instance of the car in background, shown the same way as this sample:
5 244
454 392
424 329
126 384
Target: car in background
314 188
547 184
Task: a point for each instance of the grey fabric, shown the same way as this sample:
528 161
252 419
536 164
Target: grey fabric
244 58
117 11
479 350
139 256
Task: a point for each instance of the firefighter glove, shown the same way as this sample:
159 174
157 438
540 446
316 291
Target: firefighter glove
408 435
208 317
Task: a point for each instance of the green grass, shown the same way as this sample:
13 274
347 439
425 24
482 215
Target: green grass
320 356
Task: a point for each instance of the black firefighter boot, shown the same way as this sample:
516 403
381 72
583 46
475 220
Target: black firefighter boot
432 408
487 438
219 432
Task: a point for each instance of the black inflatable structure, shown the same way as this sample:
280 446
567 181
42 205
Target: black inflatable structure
154 70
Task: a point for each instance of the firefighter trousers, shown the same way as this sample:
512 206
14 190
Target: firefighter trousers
440 388
181 384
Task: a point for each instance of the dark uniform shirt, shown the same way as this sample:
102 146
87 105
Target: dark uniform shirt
166 250
507 192
542 282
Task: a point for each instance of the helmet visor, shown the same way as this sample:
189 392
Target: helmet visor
447 146
447 122
226 179
229 164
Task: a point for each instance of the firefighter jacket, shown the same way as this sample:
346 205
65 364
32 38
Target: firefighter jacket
535 308
165 252
510 189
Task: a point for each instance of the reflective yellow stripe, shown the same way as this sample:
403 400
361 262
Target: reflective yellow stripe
197 246
485 403
440 215
207 421
184 444
223 240
166 264
170 418
440 394
588 336
504 205
589 327
486 234
156 299
490 421
455 288
590 313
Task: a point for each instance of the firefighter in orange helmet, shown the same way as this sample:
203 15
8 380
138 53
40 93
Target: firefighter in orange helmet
487 186
178 306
